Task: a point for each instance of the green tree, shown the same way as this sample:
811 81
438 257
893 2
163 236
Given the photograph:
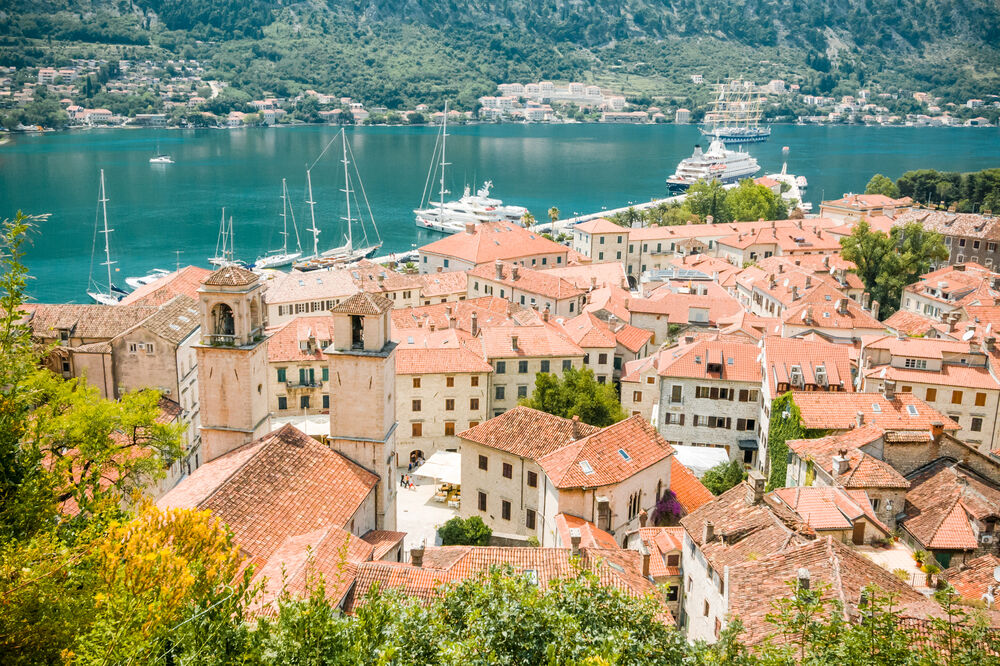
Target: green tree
880 184
724 476
465 532
527 220
704 199
576 393
749 201
553 214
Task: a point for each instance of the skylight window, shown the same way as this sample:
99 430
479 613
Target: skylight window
827 297
585 466
877 408
409 339
912 410
625 456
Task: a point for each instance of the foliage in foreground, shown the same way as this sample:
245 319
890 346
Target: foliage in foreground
576 393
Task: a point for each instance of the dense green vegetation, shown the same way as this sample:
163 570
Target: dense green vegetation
394 53
887 263
576 392
786 424
465 532
724 476
745 202
968 192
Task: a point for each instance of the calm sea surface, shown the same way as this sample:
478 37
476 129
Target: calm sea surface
158 210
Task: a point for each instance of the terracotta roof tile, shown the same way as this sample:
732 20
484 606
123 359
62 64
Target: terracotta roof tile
489 311
445 283
863 471
676 307
588 331
231 276
942 499
818 308
822 507
593 276
491 241
85 321
609 456
591 536
527 433
661 543
186 282
422 351
730 361
612 300
363 303
285 344
383 541
950 375
175 320
838 411
783 354
632 337
972 578
532 341
543 283
327 284
600 225
687 488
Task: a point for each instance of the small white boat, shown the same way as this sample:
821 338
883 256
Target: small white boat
151 277
109 294
801 182
282 257
161 159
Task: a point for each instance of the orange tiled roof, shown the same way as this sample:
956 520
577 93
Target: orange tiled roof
971 579
950 375
490 241
543 283
591 536
231 276
383 541
592 276
944 497
363 303
285 344
601 226
445 283
819 308
632 337
527 432
828 507
863 470
422 351
598 459
838 411
613 300
676 306
489 310
730 361
782 354
662 542
588 331
532 341
687 488
186 282
85 321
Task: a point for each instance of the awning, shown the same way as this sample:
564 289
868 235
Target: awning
700 459
443 466
747 444
314 425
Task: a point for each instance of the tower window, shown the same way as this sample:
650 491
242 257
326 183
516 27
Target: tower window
357 332
223 321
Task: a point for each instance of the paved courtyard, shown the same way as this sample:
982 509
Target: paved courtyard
898 557
418 514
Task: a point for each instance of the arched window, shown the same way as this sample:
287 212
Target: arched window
659 490
254 315
223 321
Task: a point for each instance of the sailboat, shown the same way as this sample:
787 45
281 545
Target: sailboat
451 216
149 278
109 295
224 247
348 252
282 257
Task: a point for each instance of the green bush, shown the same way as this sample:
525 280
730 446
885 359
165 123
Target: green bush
465 532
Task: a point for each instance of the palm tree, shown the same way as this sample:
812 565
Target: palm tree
527 219
553 214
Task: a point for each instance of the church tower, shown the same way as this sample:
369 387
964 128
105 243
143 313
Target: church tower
232 362
362 394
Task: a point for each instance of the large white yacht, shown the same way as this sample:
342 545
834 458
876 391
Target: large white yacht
716 163
451 216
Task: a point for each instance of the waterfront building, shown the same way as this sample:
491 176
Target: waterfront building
854 207
487 242
298 293
682 116
601 240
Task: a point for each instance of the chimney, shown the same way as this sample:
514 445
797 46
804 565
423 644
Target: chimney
990 343
755 492
470 227
781 268
475 324
840 462
875 309
644 552
826 260
440 269
709 532
937 429
593 282
576 427
865 300
803 578
842 306
709 219
430 325
574 540
513 342
499 267
795 292
417 555
643 518
889 389
809 281
545 313
859 419
513 272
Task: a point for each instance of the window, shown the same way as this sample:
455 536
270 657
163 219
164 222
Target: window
449 381
499 392
304 402
602 358
484 463
326 401
567 364
532 479
975 245
674 560
473 403
586 358
501 367
956 397
961 242
676 393
415 406
650 380
416 429
876 503
634 504
977 424
505 509
674 419
449 404
746 424
482 501
980 400
522 367
636 396
916 363
545 366
282 374
416 382
282 402
931 395
705 609
508 471
473 424
672 593
522 391
449 428
529 519
474 380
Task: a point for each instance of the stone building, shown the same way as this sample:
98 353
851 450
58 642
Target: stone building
298 371
487 242
526 287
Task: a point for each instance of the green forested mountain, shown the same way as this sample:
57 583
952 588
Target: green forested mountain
400 51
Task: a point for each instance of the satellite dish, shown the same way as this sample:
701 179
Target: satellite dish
968 335
996 574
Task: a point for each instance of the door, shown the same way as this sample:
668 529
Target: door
859 533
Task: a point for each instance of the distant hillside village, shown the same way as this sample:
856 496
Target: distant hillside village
381 401
88 93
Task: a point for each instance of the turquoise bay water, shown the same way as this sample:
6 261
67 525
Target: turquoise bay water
156 210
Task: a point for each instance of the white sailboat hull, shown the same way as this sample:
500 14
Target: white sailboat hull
277 260
104 299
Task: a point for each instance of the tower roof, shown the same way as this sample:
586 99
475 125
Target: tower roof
230 276
364 303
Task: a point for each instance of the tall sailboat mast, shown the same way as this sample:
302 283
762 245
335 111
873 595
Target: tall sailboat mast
444 163
106 231
347 191
284 217
312 213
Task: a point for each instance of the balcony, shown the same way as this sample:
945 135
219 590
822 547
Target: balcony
220 340
292 384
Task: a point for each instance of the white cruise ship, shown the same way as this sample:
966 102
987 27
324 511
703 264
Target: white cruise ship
451 216
716 163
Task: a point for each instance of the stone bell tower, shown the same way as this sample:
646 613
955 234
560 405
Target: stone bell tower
362 394
232 362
